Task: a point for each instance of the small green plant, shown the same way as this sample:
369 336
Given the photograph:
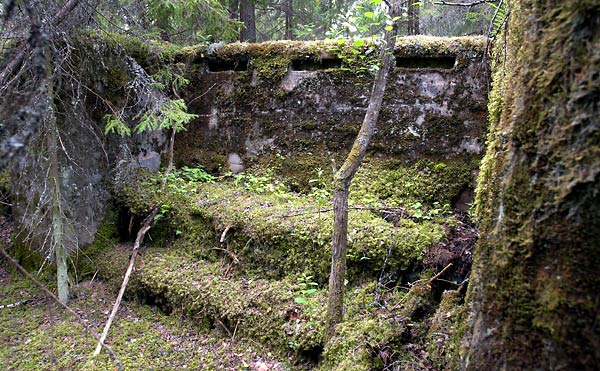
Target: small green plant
167 77
306 289
172 115
320 188
196 175
438 210
259 183
114 125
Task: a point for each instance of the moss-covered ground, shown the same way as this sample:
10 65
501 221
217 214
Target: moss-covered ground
37 335
234 275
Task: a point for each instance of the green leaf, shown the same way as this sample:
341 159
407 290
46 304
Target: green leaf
359 43
369 14
308 291
300 300
389 28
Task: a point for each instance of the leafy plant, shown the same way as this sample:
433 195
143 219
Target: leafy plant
499 18
320 187
167 78
306 289
259 183
196 174
419 212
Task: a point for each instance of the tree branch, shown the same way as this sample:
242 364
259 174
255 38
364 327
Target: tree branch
146 225
478 2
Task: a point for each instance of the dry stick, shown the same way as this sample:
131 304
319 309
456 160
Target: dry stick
478 2
12 305
224 233
140 236
18 58
368 208
68 309
147 224
441 273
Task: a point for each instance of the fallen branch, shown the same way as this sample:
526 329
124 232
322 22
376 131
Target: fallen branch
478 2
368 208
224 327
67 308
12 305
224 233
138 240
146 225
441 273
231 254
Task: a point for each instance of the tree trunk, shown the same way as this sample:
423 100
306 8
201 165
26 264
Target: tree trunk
533 296
341 184
289 14
247 17
234 9
57 223
413 18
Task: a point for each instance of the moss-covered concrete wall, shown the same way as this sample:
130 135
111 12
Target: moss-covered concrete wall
310 97
533 295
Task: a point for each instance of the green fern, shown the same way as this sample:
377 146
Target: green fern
499 18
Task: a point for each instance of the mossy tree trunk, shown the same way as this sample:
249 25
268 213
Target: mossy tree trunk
341 185
533 296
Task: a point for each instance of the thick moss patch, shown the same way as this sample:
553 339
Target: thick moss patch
275 233
260 309
38 336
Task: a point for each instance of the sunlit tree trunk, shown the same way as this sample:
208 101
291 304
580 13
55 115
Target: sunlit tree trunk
341 184
534 291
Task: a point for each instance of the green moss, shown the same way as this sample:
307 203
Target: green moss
85 260
536 200
284 231
146 52
35 337
259 309
358 342
374 336
446 332
399 184
28 258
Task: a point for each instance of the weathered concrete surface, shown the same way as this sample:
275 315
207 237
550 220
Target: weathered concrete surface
435 104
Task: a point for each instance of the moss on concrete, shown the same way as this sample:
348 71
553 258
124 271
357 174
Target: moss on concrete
276 233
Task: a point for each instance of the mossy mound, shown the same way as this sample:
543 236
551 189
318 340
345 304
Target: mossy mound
275 233
387 336
37 336
259 309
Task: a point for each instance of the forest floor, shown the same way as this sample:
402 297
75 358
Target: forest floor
38 335
219 299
